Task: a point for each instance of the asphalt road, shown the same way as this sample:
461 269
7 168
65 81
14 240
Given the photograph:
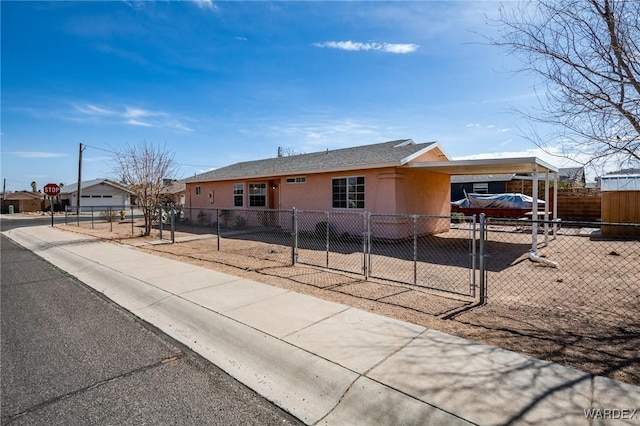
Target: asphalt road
70 356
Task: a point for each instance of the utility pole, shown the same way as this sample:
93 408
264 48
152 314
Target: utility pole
79 184
4 194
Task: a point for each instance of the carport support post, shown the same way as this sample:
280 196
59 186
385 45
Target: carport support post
534 211
555 205
546 208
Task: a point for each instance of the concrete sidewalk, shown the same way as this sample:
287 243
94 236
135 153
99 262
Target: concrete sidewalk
328 363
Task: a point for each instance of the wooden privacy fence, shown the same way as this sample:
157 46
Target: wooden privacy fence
620 207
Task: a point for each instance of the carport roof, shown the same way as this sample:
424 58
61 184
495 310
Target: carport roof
487 166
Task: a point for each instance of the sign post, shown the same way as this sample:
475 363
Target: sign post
51 189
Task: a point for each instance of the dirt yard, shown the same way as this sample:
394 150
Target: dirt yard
587 317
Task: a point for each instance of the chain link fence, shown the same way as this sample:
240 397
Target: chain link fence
562 291
111 217
587 273
332 240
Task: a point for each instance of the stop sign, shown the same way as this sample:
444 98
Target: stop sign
51 189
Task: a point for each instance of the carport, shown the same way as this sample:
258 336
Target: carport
532 165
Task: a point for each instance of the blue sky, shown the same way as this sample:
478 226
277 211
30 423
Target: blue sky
223 82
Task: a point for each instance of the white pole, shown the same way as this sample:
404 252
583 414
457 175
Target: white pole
534 211
555 205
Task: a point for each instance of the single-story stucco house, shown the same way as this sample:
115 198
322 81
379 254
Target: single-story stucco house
24 201
372 178
399 177
97 193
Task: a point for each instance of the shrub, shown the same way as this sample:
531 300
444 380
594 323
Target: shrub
241 222
109 215
203 218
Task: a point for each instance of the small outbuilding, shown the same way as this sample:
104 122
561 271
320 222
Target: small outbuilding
620 203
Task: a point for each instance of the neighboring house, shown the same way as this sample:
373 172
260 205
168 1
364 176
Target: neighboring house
174 192
479 184
23 201
619 180
372 178
101 193
511 182
572 176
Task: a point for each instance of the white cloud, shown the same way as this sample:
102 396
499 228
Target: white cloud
134 113
35 154
472 125
93 110
133 116
349 45
205 4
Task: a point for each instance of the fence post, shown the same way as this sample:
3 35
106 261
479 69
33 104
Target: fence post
218 228
327 241
91 217
173 225
294 236
415 250
482 258
365 241
474 255
132 220
65 215
160 220
369 244
110 219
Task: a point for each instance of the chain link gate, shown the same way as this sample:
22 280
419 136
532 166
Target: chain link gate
332 240
426 251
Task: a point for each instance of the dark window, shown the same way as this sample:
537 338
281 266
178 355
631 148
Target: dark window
481 188
297 179
238 194
348 193
198 191
257 195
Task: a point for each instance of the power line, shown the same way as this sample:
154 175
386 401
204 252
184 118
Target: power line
100 149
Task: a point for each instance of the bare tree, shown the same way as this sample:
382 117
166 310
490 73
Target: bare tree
143 168
587 53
